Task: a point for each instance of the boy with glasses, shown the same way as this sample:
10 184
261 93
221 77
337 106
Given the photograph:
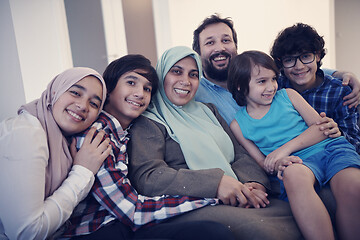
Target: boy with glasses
298 51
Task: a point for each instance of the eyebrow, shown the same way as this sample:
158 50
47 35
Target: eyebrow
131 77
84 89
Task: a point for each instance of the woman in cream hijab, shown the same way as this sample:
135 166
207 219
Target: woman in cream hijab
41 179
184 147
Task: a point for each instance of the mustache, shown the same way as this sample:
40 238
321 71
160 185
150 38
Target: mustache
215 55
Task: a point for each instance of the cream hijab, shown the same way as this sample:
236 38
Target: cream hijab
60 160
202 139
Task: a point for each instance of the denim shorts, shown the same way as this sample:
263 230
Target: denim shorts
336 156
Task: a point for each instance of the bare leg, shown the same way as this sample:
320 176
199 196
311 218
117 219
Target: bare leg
308 209
345 186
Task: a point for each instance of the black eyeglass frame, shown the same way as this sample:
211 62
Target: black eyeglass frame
295 58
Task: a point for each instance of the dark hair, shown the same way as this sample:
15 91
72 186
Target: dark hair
298 38
240 70
215 18
126 64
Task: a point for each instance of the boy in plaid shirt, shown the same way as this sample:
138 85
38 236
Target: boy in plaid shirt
113 206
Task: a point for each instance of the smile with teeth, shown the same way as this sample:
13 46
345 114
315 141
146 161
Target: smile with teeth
219 58
180 91
300 74
135 103
75 115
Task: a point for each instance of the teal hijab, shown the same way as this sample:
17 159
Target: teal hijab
202 139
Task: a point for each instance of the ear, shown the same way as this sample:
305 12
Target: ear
238 88
317 55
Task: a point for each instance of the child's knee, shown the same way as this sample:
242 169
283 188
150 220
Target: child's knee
295 174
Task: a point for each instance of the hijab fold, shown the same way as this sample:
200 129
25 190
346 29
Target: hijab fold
60 160
194 126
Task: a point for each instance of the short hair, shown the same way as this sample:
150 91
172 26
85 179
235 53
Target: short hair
128 63
240 69
215 18
298 38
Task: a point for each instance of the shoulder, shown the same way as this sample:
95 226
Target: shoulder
23 122
22 132
146 125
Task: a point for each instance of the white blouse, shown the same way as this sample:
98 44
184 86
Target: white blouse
24 154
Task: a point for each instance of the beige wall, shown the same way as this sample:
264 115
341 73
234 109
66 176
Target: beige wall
37 45
347 19
256 22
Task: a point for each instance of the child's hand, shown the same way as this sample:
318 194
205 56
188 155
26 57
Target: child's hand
260 193
272 158
328 126
284 162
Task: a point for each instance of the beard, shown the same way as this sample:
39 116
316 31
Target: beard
214 73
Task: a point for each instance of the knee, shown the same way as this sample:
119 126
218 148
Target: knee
351 189
294 174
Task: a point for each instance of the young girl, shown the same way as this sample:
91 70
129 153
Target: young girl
272 125
40 181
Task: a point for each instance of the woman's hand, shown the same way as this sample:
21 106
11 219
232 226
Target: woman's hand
234 193
259 191
93 152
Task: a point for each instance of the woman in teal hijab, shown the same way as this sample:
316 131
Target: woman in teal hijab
193 125
184 147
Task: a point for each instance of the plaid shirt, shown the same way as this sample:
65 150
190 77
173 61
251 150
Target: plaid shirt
112 196
328 98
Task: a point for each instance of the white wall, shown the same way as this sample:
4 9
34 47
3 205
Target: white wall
42 41
35 46
256 22
347 16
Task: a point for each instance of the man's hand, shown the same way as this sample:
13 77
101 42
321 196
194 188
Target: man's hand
348 78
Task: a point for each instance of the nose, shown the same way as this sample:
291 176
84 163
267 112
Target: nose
185 81
219 46
139 92
82 105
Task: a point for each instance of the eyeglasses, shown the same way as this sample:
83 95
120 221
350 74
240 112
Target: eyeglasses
305 58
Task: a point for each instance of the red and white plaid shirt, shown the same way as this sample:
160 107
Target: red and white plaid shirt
112 196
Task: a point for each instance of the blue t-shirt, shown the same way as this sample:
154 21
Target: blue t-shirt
281 124
209 92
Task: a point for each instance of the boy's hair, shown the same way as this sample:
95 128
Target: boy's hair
128 63
215 18
297 39
240 70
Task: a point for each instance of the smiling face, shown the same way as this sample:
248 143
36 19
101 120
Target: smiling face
182 81
262 88
78 107
303 76
130 98
217 47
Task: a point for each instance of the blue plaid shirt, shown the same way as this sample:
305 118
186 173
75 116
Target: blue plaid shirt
112 196
328 98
